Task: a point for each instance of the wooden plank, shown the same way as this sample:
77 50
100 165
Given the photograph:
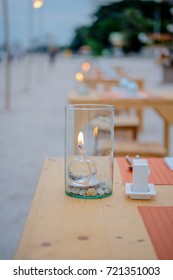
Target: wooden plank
162 104
62 227
133 148
165 110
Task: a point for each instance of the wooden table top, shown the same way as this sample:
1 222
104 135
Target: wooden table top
162 103
63 227
142 97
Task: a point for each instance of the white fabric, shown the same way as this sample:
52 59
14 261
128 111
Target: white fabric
169 162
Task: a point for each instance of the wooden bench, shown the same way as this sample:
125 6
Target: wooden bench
133 148
127 123
130 147
122 123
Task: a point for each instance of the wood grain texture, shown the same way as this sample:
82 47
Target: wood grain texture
62 227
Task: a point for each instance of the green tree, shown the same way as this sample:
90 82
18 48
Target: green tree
80 38
132 25
127 17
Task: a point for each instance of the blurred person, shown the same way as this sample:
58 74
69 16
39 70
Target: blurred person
52 51
164 56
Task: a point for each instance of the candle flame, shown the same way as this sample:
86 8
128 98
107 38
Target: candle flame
79 76
96 131
80 138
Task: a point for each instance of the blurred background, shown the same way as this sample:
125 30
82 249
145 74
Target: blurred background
42 45
99 27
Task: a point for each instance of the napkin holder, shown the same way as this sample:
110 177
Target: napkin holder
140 188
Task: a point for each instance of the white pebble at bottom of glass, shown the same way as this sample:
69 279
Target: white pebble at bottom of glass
91 191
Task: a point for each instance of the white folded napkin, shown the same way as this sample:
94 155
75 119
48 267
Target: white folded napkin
169 162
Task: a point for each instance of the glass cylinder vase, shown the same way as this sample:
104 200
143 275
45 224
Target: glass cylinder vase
89 150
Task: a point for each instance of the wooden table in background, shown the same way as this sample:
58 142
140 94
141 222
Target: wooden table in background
63 227
162 104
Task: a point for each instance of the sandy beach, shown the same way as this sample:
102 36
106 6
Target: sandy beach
33 128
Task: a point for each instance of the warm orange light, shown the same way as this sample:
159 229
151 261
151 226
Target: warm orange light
86 66
80 138
79 76
96 131
37 4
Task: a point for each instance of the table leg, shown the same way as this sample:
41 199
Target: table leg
166 136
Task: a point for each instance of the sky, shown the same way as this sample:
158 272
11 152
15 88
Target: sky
54 22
